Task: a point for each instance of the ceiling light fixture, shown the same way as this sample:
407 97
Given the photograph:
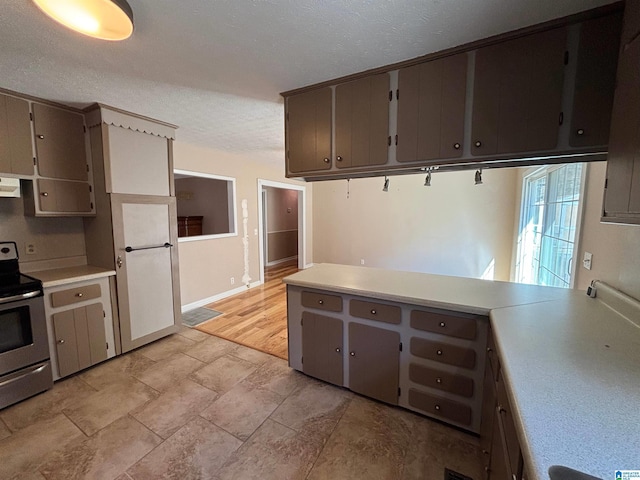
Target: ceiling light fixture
479 177
103 19
386 184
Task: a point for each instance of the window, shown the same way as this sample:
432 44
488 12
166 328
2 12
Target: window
551 206
206 205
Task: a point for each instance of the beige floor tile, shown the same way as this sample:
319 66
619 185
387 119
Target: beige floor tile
64 393
174 408
170 371
315 407
193 334
254 356
274 452
109 404
222 374
165 347
124 476
25 450
276 376
106 454
211 349
4 430
196 451
116 370
242 409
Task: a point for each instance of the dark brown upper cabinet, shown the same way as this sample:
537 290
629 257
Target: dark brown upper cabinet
597 61
362 122
309 131
517 98
16 153
431 107
631 29
60 143
622 189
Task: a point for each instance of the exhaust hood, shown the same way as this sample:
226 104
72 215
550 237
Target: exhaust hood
9 187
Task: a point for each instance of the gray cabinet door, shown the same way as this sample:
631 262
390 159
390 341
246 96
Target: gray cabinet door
16 153
96 332
309 131
66 344
518 94
431 106
322 347
62 196
631 21
374 362
60 143
595 80
362 122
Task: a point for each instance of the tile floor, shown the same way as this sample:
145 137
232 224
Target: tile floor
192 406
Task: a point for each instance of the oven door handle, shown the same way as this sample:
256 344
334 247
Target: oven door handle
20 375
24 296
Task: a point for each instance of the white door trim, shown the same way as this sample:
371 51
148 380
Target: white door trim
302 221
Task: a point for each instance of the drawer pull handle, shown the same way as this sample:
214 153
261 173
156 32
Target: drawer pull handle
478 144
456 146
79 294
580 131
41 137
353 354
439 352
338 349
326 160
61 341
320 302
44 194
489 349
373 312
442 324
438 380
339 158
501 409
437 407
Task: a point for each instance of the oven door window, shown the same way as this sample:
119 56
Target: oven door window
15 329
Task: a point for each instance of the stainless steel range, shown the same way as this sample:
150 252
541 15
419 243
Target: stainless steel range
25 369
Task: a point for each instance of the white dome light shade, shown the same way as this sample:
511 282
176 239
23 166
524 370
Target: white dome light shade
104 19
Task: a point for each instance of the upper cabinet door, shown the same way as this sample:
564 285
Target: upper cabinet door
16 153
518 94
595 81
60 143
362 122
631 29
431 107
309 131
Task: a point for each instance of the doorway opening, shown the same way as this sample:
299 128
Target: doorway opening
281 226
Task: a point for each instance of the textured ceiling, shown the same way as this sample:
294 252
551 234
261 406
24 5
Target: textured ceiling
215 68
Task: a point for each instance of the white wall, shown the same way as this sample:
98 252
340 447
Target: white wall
615 248
453 227
206 266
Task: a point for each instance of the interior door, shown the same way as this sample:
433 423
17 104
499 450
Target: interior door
145 240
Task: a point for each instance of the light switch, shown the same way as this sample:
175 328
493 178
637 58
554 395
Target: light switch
586 260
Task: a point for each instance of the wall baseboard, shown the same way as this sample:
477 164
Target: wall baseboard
281 260
218 297
309 265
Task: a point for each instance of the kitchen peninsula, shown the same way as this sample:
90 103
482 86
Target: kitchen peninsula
568 364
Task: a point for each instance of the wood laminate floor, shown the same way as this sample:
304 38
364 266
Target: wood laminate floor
256 318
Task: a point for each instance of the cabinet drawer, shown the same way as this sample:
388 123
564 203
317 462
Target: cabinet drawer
375 311
75 295
322 301
448 382
454 326
442 407
443 352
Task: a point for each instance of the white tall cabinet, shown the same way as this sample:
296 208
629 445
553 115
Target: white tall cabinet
135 228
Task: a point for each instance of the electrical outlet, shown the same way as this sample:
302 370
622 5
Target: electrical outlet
362 261
30 248
233 280
586 260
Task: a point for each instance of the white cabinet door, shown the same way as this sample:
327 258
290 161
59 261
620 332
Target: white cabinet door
145 234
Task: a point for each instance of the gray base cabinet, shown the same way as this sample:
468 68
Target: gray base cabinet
322 347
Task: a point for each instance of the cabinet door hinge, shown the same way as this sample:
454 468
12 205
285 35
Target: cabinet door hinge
288 156
31 116
302 360
606 182
107 345
87 167
561 119
35 162
104 315
91 205
84 128
566 57
287 116
396 139
90 189
398 94
399 391
389 140
390 95
400 346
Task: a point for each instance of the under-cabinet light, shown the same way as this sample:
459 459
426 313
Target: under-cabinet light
478 177
385 188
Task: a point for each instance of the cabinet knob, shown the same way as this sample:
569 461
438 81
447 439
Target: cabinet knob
45 194
79 294
353 354
501 409
478 143
339 158
41 137
456 146
489 349
439 352
61 341
437 407
320 302
442 324
338 350
326 160
580 131
373 312
438 380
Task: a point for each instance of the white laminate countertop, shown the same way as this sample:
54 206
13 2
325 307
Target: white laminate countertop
571 363
462 294
63 276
